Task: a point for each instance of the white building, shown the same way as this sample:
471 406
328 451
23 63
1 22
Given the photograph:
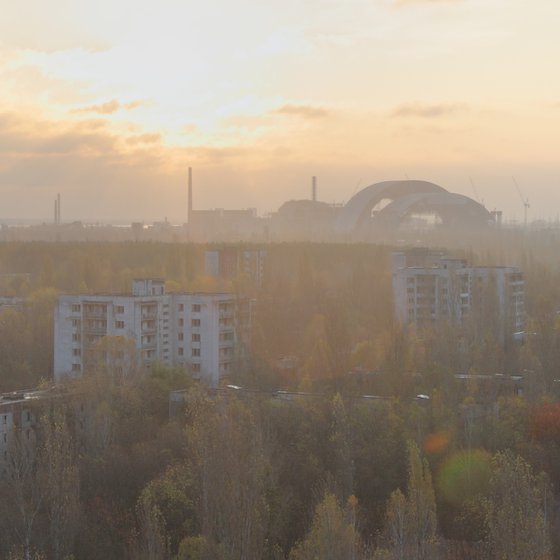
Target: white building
18 414
430 288
207 332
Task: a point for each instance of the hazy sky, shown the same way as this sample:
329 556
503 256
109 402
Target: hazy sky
109 102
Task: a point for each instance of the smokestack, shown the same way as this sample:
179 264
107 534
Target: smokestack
314 188
58 208
190 196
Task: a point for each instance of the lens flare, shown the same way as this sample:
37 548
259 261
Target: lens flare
435 443
465 475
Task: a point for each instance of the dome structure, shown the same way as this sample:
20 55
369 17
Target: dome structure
405 199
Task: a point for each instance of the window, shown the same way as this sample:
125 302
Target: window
75 323
5 419
196 367
119 324
76 307
76 337
180 336
5 437
76 352
181 307
181 351
196 337
195 323
196 352
181 322
195 308
76 367
119 309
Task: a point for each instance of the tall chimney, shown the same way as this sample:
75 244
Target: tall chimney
314 188
189 213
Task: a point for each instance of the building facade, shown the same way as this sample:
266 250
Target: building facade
229 263
430 289
18 416
206 332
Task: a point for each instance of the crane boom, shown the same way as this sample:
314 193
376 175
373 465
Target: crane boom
525 201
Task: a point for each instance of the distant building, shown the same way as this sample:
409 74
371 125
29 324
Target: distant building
310 220
12 302
429 288
220 225
18 415
228 263
206 332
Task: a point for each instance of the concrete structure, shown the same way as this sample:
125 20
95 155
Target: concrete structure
207 332
386 206
18 413
430 288
228 263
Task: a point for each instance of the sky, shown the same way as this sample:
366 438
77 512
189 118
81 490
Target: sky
110 102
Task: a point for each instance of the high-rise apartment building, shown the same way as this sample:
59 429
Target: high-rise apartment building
430 288
206 332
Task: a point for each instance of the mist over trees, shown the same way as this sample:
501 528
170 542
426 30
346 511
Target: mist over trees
471 472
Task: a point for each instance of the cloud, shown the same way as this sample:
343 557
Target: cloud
424 111
101 173
109 107
400 3
152 138
303 111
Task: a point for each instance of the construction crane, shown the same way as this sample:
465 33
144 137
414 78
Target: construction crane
476 197
525 202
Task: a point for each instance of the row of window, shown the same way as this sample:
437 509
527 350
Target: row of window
194 322
195 352
195 337
119 309
195 307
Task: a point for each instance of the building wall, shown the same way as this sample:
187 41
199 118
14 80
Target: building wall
16 414
201 331
448 290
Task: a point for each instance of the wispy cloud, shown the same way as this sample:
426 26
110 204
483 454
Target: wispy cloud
426 111
109 107
400 3
149 138
303 111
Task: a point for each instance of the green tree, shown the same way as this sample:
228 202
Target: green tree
517 511
332 535
61 479
411 521
231 468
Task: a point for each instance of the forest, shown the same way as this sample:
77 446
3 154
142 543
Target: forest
367 446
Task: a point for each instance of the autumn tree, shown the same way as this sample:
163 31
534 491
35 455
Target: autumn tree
231 468
61 480
517 510
411 520
332 535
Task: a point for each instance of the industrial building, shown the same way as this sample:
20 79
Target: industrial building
377 211
431 288
206 332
